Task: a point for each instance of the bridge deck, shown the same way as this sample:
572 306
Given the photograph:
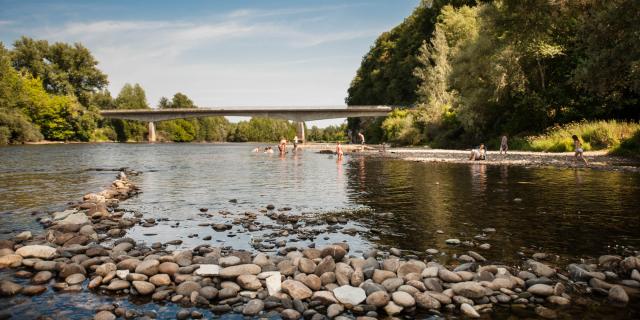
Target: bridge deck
288 113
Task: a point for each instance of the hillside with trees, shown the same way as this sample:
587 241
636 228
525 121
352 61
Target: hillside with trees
469 71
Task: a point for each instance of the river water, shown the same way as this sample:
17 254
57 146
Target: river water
569 213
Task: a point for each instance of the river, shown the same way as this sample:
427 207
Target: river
568 213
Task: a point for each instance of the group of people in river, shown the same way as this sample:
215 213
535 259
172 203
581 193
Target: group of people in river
480 153
282 147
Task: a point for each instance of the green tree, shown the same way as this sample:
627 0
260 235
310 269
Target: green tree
130 97
64 69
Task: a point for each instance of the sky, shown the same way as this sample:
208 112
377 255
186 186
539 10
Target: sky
219 53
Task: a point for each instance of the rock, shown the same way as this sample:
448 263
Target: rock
448 276
144 288
469 311
392 309
160 280
208 270
95 282
380 275
33 290
74 279
296 289
306 265
42 277
392 284
426 301
274 284
470 289
349 295
37 251
122 274
324 297
45 266
10 261
618 295
403 299
326 265
208 292
290 314
334 310
546 312
105 268
541 290
169 268
378 299
452 241
253 307
118 284
229 261
104 315
540 269
183 258
71 268
148 267
225 293
187 287
234 271
8 288
74 218
249 282
23 236
559 300
335 251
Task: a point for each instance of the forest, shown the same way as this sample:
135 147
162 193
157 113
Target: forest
54 92
466 72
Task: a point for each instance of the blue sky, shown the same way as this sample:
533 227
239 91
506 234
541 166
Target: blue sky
219 53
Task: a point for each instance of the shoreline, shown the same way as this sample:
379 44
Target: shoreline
84 249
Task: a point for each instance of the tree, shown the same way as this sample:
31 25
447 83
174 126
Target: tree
64 69
130 97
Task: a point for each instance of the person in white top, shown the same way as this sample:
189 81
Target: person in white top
577 146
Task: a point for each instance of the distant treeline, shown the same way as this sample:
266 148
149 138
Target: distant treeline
474 70
55 92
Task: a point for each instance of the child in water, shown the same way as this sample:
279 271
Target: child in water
339 151
577 146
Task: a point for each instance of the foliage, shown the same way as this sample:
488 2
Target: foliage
262 129
629 147
329 134
64 69
398 128
179 101
595 135
504 67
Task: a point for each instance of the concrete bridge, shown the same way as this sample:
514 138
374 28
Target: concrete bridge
297 114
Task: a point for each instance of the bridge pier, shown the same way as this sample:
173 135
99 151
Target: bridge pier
300 131
152 132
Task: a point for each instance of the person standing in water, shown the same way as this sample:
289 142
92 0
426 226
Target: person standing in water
295 143
339 151
503 145
361 137
579 152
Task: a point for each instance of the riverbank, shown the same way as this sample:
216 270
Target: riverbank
85 249
600 160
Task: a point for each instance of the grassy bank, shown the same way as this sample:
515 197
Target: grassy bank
596 135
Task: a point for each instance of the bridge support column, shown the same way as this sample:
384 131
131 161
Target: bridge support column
300 131
152 132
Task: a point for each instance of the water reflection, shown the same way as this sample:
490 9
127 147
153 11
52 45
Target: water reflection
563 211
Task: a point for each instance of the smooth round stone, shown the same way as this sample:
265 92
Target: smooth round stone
541 290
403 299
104 315
334 310
160 280
143 287
253 307
187 287
42 277
33 290
118 284
169 268
74 279
378 299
